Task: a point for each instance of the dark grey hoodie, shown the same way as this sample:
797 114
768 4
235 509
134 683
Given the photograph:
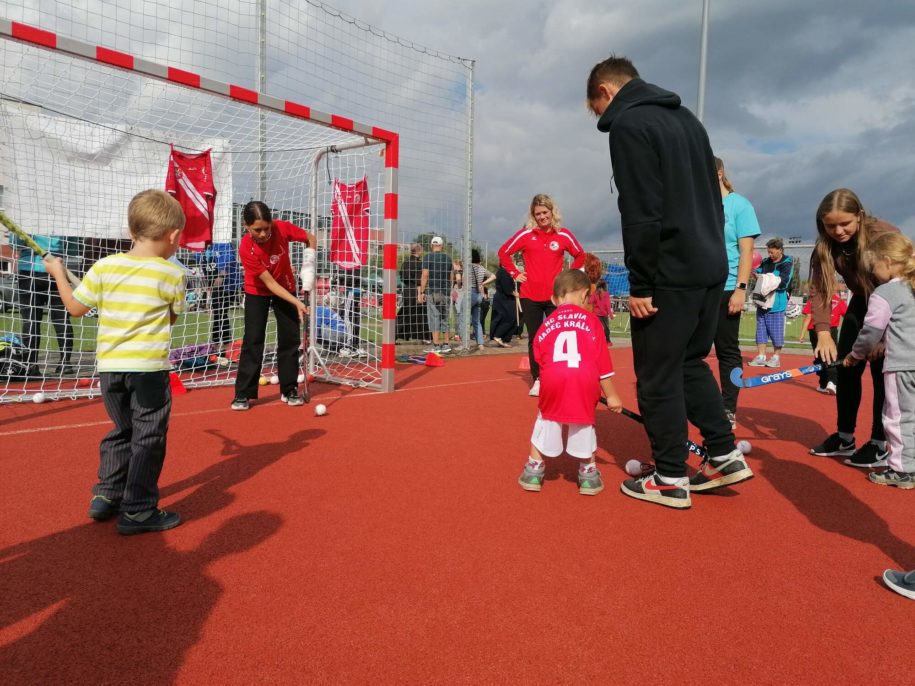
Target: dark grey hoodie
669 199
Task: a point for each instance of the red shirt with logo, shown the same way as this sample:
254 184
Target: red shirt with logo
573 356
839 308
271 256
190 181
543 254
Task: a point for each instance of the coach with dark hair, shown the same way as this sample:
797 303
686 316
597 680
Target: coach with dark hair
673 234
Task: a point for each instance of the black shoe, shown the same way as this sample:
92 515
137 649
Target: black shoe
834 445
867 456
159 520
720 471
240 404
64 369
649 488
102 508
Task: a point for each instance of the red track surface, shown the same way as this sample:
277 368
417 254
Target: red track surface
388 542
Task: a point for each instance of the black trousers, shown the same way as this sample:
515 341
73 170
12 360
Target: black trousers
533 312
502 324
848 379
221 301
673 382
37 293
257 309
131 455
727 349
830 374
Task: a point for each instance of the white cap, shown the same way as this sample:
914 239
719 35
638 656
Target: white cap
437 240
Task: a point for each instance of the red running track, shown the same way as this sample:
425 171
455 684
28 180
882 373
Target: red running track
388 542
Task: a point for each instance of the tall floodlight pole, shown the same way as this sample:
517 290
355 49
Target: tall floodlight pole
703 54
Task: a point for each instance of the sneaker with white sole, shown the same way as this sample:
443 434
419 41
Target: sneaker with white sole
650 488
831 388
431 349
445 349
774 361
834 446
240 404
535 389
890 477
590 481
531 478
901 582
868 456
715 472
758 361
293 399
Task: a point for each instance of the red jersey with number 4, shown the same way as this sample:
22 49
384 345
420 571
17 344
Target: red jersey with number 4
573 357
190 181
272 256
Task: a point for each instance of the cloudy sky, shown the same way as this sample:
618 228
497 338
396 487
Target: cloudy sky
802 97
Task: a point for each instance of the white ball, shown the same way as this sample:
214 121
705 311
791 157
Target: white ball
300 378
274 379
39 397
634 468
320 410
744 447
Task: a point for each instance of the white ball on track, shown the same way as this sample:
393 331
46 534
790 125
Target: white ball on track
744 447
634 468
320 410
274 379
39 397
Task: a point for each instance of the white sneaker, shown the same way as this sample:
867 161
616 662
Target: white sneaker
347 352
535 388
758 361
831 388
774 361
360 352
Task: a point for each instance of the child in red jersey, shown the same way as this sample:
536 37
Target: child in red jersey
575 367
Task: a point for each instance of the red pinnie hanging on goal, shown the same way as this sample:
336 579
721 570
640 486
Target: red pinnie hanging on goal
190 180
349 231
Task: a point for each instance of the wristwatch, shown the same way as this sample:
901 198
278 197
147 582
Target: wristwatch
742 286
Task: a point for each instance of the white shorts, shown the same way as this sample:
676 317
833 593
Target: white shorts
547 438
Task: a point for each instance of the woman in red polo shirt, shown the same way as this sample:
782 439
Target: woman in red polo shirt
542 243
269 282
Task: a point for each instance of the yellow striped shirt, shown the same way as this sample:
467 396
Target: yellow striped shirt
134 297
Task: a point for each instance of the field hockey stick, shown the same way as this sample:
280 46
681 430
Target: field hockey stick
306 393
29 241
765 379
692 446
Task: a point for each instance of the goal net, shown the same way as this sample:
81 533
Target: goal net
84 128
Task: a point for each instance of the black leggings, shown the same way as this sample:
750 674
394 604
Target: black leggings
727 350
533 313
848 379
37 293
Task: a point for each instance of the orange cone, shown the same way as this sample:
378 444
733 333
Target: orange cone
433 360
525 363
175 382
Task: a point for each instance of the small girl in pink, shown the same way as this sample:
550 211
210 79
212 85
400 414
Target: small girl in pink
601 306
575 368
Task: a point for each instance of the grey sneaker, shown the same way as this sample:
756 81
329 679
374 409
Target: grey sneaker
293 399
240 404
590 482
445 349
901 582
890 477
774 361
758 361
531 478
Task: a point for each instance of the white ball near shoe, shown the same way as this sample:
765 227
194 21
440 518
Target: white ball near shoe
320 410
39 398
744 447
300 378
274 379
634 468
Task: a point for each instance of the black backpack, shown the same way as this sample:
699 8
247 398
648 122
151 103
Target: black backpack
12 357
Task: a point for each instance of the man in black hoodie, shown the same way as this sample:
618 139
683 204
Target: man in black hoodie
673 236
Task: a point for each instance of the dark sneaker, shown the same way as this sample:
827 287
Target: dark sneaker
890 477
867 456
833 446
240 404
901 582
293 399
102 508
649 488
531 478
721 471
590 482
152 520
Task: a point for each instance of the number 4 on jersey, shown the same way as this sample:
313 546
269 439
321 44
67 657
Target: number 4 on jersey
566 349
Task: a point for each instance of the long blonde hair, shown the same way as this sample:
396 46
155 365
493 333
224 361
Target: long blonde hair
842 200
898 249
725 181
546 201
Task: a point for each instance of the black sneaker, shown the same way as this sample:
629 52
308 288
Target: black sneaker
158 520
867 456
834 445
647 487
901 582
102 508
293 399
240 404
720 471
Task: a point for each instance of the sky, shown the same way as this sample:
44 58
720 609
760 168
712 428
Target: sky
801 98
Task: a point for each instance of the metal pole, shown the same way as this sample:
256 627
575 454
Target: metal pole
262 88
466 333
703 55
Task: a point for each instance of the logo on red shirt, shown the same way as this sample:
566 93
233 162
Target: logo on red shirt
554 245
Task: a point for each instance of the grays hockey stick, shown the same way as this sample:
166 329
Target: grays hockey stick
765 379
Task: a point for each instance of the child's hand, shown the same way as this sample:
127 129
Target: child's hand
800 339
850 361
614 404
877 351
54 265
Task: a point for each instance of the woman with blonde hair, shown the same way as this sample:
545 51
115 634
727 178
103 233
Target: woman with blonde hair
543 243
845 232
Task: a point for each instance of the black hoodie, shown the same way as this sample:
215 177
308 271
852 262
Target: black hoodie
669 199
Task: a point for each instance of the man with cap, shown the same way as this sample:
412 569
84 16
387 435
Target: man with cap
435 290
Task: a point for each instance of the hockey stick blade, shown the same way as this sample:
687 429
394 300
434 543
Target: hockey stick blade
692 446
29 241
737 379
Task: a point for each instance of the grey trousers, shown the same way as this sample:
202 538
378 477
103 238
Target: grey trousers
131 455
899 420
